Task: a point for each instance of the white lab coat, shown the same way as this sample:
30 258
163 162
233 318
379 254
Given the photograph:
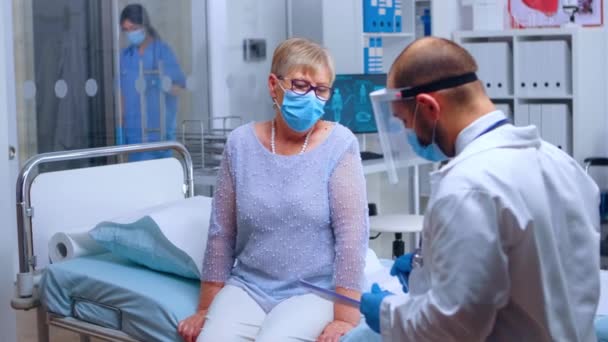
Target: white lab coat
510 246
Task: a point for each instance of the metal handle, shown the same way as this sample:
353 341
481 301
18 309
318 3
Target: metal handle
595 161
12 152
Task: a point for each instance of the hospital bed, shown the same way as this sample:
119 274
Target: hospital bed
100 296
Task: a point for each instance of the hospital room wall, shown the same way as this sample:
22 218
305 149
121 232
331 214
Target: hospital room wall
8 169
239 87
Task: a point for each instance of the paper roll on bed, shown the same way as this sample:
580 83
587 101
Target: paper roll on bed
64 246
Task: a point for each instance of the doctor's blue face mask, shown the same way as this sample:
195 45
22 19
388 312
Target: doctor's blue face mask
136 37
301 112
430 152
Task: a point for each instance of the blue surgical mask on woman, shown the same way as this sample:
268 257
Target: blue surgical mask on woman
301 112
430 152
136 37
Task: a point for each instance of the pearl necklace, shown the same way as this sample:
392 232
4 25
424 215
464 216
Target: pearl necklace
272 138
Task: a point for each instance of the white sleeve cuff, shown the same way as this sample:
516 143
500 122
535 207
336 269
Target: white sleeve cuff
388 327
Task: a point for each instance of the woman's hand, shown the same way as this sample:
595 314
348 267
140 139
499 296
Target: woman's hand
191 327
334 330
175 90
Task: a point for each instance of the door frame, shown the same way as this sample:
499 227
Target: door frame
200 59
8 172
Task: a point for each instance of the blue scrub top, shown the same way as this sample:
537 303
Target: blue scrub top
156 51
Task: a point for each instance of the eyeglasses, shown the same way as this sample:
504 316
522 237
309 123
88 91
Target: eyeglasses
302 87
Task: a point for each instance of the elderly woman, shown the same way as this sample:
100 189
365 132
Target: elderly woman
290 204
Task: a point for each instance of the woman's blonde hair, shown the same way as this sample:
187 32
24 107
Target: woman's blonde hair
302 54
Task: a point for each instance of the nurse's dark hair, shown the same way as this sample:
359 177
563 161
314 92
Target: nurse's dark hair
430 59
137 14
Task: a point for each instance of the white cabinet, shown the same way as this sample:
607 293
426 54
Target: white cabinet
552 78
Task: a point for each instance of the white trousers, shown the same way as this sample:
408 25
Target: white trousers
235 316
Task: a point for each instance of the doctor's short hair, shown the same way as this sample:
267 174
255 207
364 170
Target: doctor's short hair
430 59
302 54
137 14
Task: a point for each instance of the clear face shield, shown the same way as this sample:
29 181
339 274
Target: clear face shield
391 132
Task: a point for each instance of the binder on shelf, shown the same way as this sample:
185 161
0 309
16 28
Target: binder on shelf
370 16
502 73
521 117
379 56
481 53
526 63
372 54
558 68
539 69
366 55
556 125
496 66
535 115
389 19
381 18
397 24
382 15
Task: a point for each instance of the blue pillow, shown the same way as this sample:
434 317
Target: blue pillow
143 242
601 328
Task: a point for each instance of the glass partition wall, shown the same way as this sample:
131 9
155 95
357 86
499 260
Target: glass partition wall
92 73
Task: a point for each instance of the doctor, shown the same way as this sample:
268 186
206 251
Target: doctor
510 243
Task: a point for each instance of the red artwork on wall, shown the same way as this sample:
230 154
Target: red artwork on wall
551 13
546 6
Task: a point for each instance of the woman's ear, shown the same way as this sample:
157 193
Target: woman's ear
430 104
272 86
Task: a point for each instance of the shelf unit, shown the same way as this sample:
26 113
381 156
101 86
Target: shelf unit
338 25
389 34
552 78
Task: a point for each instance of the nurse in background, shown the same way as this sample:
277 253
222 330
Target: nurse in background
150 80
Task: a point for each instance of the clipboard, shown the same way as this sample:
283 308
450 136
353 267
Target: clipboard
331 295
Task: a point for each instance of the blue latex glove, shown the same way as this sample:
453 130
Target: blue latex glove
118 135
402 269
370 306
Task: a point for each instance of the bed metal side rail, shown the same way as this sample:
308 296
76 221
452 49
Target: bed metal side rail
27 261
88 330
